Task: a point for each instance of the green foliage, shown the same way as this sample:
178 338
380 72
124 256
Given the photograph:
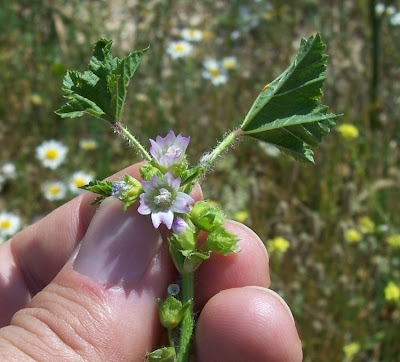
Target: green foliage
221 241
171 311
287 112
100 91
165 354
103 188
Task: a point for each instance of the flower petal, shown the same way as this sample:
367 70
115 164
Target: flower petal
173 182
155 149
165 217
143 208
181 203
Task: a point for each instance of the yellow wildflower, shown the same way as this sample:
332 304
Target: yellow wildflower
352 236
350 350
348 131
278 244
392 292
366 225
394 241
241 216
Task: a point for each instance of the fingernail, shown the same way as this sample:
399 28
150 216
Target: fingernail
118 246
277 297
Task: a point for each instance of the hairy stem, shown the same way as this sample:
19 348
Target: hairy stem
208 159
187 322
119 128
220 148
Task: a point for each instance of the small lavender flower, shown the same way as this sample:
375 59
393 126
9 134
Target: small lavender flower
179 226
118 187
169 150
162 199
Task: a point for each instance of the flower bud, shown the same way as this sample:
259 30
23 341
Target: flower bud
147 171
171 311
185 260
130 192
221 241
165 354
206 217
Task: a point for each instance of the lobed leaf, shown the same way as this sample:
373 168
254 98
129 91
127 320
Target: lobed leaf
101 90
288 112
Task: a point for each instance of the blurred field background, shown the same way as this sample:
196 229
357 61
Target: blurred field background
332 229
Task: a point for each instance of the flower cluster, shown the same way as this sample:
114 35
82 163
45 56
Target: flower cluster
164 196
52 155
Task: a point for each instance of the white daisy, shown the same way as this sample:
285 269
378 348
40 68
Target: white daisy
229 62
79 179
52 153
395 19
191 34
179 49
88 144
8 170
54 190
9 224
379 9
214 72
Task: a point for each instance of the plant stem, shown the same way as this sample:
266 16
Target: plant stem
376 51
170 338
119 128
209 159
187 322
221 147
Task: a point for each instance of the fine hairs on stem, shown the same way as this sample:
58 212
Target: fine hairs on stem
229 141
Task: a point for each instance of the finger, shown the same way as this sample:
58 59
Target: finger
249 266
36 254
247 324
101 306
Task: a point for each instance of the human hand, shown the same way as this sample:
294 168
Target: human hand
82 285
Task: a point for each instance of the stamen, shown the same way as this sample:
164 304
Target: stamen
173 151
163 198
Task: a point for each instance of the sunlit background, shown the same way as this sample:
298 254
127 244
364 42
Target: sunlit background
332 229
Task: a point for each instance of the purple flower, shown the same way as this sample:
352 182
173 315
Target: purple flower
179 226
162 199
169 150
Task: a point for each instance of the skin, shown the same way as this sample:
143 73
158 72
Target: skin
52 312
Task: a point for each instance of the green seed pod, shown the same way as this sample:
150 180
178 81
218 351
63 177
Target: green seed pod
221 241
165 354
206 217
171 311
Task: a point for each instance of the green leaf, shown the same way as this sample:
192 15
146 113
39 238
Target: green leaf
288 112
103 188
101 90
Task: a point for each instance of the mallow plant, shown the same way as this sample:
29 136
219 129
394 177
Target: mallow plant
287 113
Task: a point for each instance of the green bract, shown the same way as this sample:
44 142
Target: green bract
171 311
102 188
288 112
206 217
100 91
166 354
221 241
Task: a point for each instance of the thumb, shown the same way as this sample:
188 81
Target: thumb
102 304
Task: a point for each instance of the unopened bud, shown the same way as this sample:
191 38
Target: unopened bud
206 217
221 241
